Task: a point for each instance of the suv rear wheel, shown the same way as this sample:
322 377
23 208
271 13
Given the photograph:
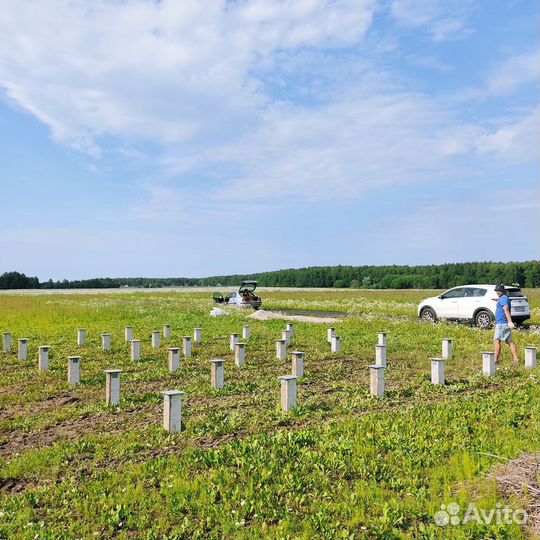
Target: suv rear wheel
483 319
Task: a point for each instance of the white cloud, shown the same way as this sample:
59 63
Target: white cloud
514 140
198 80
340 150
514 72
504 77
428 62
171 71
442 20
346 149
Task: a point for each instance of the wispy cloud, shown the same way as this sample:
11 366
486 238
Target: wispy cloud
441 20
428 62
513 72
504 77
251 97
340 150
171 71
514 138
160 204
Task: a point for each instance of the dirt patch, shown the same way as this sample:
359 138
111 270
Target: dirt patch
519 478
263 315
59 400
72 430
46 404
13 485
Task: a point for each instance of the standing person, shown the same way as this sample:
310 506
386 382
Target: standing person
503 324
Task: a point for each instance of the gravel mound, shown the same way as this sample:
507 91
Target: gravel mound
262 315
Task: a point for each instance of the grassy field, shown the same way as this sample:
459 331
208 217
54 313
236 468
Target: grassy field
342 465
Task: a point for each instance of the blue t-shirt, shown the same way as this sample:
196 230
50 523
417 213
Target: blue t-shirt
500 317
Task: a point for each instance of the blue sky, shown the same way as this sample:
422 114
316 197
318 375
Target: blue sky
200 138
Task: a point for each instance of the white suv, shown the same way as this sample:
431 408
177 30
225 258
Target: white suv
476 303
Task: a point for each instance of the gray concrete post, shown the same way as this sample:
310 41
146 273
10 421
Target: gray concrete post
197 335
172 410
128 333
530 357
330 333
380 355
488 364
166 331
217 375
106 342
135 349
240 354
112 386
23 348
437 370
288 393
290 328
246 331
43 357
447 349
8 340
156 342
281 349
233 340
297 364
286 335
74 369
335 344
382 338
81 336
186 346
376 386
173 361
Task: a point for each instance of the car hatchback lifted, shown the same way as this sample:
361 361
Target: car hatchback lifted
474 303
245 296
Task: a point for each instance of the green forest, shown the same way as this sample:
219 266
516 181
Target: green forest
441 276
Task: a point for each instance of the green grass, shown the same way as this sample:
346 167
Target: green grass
342 465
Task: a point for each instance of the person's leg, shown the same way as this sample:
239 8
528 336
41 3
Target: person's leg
513 350
497 343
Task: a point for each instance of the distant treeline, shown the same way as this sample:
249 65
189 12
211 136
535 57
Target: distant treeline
441 276
14 280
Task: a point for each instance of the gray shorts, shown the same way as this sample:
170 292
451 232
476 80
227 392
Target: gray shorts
502 332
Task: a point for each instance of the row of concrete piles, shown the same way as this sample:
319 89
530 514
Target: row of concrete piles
136 343
438 365
172 398
174 352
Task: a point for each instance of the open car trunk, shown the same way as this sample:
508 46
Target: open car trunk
248 286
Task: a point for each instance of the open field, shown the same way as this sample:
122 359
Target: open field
342 465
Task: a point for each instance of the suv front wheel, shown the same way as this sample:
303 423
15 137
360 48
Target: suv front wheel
428 315
483 319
